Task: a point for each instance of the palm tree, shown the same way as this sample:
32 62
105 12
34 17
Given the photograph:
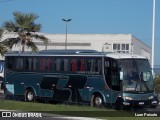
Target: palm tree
26 29
3 49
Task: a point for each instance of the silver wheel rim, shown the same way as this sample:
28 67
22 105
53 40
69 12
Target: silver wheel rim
30 96
98 101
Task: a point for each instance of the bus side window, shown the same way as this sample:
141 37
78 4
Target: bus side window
10 63
88 65
116 79
19 64
26 66
99 66
112 74
30 64
107 69
49 64
35 63
53 65
73 65
58 64
78 64
92 65
16 64
66 63
62 65
115 74
42 63
82 65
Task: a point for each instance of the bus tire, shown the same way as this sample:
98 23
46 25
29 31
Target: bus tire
97 101
119 103
153 106
29 95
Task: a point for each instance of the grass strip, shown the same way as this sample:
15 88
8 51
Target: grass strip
71 110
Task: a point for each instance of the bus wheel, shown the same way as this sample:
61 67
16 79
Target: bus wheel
119 103
29 95
97 101
153 106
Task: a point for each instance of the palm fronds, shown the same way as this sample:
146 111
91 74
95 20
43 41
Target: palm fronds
3 48
25 27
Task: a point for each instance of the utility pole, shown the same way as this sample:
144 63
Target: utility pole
66 21
153 33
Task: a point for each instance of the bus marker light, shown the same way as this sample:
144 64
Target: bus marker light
128 98
126 103
141 103
106 87
87 87
107 95
37 84
151 97
154 102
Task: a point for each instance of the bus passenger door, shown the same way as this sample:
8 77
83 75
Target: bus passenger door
62 91
112 78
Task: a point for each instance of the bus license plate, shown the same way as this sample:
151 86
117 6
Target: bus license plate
141 103
154 102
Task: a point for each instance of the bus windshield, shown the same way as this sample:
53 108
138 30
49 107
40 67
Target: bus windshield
137 75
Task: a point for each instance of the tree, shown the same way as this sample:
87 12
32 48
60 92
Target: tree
157 85
26 29
3 49
156 80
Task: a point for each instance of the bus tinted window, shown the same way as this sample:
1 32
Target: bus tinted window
35 64
49 64
112 74
30 64
81 65
42 62
62 65
55 64
66 65
46 64
73 65
89 65
58 64
10 63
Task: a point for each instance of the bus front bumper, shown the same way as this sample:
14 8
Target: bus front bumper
140 103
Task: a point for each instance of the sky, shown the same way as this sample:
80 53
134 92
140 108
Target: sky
91 17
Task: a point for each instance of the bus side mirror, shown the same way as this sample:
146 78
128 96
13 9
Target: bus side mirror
121 75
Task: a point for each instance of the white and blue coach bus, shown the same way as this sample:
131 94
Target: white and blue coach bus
80 76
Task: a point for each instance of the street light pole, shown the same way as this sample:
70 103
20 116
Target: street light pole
153 29
66 21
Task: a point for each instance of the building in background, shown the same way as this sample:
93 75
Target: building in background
121 43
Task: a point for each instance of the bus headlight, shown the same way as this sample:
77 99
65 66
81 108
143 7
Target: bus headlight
151 97
128 98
